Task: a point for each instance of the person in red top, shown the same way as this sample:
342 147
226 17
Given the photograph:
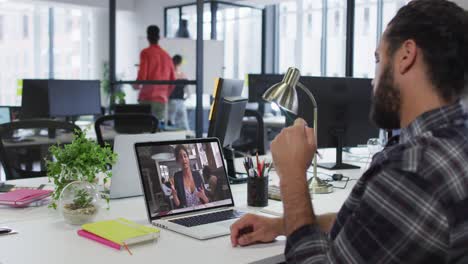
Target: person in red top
155 64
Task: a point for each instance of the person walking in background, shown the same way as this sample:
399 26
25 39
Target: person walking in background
155 64
177 110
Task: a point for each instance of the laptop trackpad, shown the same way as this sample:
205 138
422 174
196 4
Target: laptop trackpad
226 224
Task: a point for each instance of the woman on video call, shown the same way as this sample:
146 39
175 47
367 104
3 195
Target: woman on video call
187 185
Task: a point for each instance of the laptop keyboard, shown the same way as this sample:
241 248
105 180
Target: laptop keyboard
208 218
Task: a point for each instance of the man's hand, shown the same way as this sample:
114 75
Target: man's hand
293 150
254 228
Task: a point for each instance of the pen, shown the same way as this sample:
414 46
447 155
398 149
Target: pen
258 164
318 154
269 167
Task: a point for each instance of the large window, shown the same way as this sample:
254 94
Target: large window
312 39
336 38
290 52
189 13
312 36
72 43
371 19
365 38
25 48
240 27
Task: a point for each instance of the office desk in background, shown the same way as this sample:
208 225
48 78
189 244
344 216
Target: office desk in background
39 145
43 237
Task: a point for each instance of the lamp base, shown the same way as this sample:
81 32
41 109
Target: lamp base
320 187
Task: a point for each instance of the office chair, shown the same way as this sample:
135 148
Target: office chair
131 123
22 145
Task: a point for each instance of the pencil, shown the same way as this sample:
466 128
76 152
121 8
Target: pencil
258 165
126 247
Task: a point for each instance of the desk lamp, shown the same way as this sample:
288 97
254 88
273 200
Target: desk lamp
284 95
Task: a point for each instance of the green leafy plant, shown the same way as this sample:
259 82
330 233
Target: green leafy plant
82 199
120 97
81 160
105 83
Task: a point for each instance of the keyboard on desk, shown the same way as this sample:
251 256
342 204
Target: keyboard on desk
208 218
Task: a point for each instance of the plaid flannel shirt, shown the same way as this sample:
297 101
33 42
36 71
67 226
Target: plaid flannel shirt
410 206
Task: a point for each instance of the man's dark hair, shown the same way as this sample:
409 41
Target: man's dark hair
440 30
177 150
177 60
152 33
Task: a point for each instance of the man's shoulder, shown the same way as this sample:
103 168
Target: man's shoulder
165 54
447 144
438 156
145 50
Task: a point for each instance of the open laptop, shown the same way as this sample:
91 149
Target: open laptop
188 214
125 180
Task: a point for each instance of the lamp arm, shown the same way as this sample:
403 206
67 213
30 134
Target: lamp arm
314 103
309 93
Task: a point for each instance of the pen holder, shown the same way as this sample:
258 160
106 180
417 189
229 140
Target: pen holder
257 191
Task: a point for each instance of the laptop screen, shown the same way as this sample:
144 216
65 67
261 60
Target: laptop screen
5 116
183 176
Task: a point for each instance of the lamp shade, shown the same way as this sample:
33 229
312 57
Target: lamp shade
284 93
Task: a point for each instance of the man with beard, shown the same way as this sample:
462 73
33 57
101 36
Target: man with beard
411 205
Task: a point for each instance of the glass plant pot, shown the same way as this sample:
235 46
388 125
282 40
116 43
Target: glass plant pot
79 202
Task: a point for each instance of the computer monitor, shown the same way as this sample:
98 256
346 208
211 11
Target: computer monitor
229 117
71 98
226 115
35 99
227 129
259 83
223 88
5 115
343 114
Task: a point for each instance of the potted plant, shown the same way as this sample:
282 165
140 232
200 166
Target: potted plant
82 160
79 202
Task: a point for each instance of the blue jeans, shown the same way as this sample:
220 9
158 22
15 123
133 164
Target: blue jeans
178 114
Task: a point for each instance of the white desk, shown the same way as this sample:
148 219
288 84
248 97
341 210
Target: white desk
44 238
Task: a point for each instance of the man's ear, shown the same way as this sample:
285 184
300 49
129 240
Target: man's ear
406 56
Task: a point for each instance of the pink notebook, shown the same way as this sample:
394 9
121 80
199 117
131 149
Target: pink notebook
99 239
23 197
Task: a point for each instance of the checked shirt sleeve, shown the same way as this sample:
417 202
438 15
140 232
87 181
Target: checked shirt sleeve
396 220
